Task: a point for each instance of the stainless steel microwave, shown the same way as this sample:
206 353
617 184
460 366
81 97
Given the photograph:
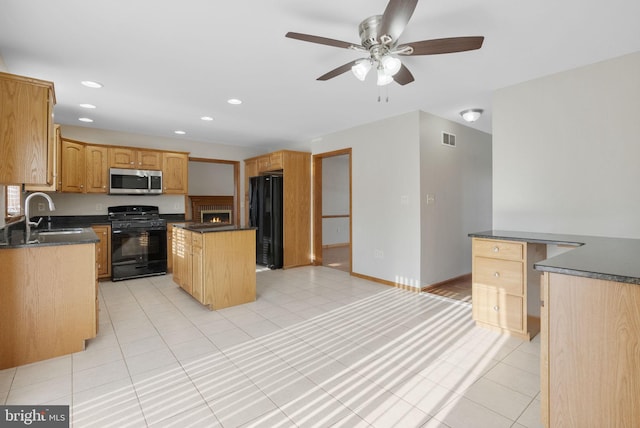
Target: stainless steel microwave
134 182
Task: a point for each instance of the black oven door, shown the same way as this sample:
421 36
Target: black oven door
138 252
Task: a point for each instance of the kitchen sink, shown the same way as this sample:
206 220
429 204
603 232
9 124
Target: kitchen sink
50 232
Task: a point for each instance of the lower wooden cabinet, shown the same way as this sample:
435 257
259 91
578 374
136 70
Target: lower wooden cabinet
505 288
218 269
103 250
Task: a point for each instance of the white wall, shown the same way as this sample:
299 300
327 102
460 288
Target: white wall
206 179
386 196
169 204
566 150
335 199
459 181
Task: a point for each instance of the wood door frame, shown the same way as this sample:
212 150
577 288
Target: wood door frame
236 185
317 205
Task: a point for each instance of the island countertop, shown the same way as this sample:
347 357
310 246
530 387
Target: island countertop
610 259
209 227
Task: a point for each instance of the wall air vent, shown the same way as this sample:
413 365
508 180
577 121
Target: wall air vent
448 139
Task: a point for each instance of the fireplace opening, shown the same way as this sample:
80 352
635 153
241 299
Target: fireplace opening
220 217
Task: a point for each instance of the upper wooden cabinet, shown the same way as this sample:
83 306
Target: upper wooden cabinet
127 157
296 223
27 135
175 173
56 168
97 169
72 166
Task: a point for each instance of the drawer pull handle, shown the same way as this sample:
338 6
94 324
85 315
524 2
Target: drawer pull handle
497 274
496 249
496 308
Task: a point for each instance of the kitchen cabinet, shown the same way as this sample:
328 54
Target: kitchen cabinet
505 288
27 134
295 168
590 350
250 170
128 157
72 166
48 307
217 268
103 250
175 173
96 169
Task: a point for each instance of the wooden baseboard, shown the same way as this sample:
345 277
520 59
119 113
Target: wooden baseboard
465 277
385 282
344 244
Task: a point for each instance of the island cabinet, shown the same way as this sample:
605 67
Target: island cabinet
505 288
217 268
103 250
49 302
27 135
295 168
590 351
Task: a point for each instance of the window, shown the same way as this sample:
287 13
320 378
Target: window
13 201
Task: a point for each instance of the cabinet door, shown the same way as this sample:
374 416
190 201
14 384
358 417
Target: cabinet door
27 137
122 157
493 307
150 159
103 250
250 170
97 164
55 167
72 167
175 176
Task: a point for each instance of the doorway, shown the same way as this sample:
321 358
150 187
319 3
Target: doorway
332 210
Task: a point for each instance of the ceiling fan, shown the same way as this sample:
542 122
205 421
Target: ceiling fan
379 36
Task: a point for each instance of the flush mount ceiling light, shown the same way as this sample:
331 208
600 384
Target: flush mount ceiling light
179 132
234 101
91 106
471 115
85 119
206 118
92 84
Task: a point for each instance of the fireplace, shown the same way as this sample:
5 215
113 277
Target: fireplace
220 217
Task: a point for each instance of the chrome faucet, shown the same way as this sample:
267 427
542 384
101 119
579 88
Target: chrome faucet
27 219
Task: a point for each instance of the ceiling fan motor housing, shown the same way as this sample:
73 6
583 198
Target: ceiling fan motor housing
369 31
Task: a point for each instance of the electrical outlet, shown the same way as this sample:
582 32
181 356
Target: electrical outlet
98 207
40 206
431 198
404 200
378 254
176 206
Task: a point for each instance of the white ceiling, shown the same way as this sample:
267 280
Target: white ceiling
166 63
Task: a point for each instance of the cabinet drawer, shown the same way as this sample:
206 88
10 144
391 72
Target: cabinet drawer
499 309
505 275
498 249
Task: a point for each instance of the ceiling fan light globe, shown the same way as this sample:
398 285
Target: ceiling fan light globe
383 78
361 69
391 65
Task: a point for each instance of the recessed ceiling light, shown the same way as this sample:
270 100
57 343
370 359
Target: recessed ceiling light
87 106
207 118
85 119
179 132
234 101
92 84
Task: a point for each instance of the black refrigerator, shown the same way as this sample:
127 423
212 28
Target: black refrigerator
265 214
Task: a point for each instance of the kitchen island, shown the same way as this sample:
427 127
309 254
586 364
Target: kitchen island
590 335
215 264
48 294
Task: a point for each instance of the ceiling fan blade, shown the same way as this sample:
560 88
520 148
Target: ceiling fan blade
403 76
337 71
321 40
442 46
396 17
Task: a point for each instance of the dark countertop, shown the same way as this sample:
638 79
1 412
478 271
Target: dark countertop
43 237
208 227
609 259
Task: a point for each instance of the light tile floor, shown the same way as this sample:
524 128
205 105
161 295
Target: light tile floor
318 348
